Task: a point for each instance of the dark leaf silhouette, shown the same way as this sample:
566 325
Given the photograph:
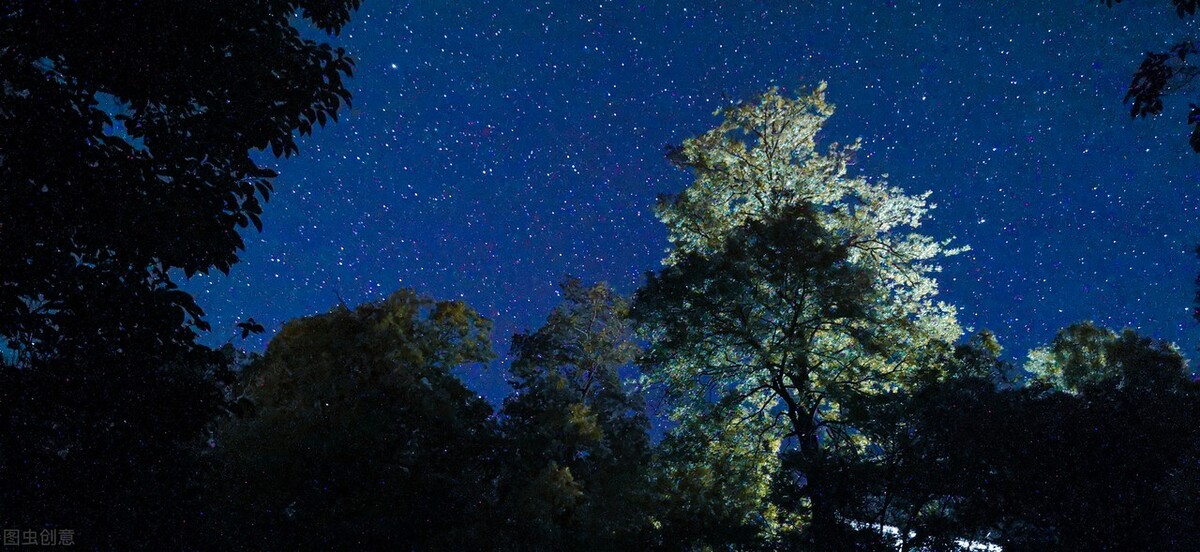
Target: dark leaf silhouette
110 386
1145 92
250 327
1162 72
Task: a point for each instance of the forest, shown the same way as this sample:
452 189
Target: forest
787 379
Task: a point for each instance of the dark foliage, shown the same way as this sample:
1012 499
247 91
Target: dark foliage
1161 72
1033 468
125 139
106 449
126 130
707 475
577 446
360 437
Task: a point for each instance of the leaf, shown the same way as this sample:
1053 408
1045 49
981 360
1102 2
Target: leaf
250 326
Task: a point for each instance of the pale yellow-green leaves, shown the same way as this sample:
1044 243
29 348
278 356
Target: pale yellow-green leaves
764 155
793 288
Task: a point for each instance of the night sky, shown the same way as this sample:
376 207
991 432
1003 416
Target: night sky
496 146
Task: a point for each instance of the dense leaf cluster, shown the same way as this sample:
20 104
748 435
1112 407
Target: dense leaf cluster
358 434
125 138
126 134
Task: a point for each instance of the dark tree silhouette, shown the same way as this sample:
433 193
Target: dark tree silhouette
1106 459
577 447
126 132
1162 72
360 436
125 139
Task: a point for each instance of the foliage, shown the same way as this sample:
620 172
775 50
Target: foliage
361 436
127 154
1033 467
577 444
1084 355
902 477
791 287
713 476
126 132
107 451
1163 72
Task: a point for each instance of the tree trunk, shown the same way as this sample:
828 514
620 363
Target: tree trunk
823 530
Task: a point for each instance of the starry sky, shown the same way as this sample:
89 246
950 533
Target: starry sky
495 146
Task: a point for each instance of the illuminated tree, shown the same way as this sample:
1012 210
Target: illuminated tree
791 285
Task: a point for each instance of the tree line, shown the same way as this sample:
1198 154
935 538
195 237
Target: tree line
787 380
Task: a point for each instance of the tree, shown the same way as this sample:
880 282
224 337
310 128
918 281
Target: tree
1163 72
577 442
125 156
713 479
910 475
107 450
1104 465
1084 355
361 435
126 132
791 285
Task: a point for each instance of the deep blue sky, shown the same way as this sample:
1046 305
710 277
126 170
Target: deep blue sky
495 146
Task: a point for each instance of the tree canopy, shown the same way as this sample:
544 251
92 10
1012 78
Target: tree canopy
126 133
360 433
791 286
1102 464
578 447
